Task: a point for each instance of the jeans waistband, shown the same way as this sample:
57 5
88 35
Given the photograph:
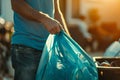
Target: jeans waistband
19 46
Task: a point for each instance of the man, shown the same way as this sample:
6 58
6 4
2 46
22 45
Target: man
34 20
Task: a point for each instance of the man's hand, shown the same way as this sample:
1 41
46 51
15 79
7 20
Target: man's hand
52 25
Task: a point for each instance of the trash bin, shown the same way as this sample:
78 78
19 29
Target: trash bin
108 68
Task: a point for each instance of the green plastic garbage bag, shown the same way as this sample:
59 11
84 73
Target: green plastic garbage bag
64 59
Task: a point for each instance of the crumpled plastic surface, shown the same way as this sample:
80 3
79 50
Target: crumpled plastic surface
64 59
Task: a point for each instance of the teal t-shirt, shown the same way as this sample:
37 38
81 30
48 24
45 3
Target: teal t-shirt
31 33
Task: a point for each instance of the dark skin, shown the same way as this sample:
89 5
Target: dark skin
52 25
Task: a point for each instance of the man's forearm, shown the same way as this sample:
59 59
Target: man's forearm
22 8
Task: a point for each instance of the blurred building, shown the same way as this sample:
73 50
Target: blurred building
108 10
102 15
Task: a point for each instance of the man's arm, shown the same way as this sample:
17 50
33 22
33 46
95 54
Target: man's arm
26 11
59 16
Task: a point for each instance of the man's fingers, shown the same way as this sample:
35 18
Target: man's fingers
55 30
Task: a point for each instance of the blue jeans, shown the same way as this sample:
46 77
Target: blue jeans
25 61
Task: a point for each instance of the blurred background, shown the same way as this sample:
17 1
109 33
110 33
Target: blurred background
94 24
